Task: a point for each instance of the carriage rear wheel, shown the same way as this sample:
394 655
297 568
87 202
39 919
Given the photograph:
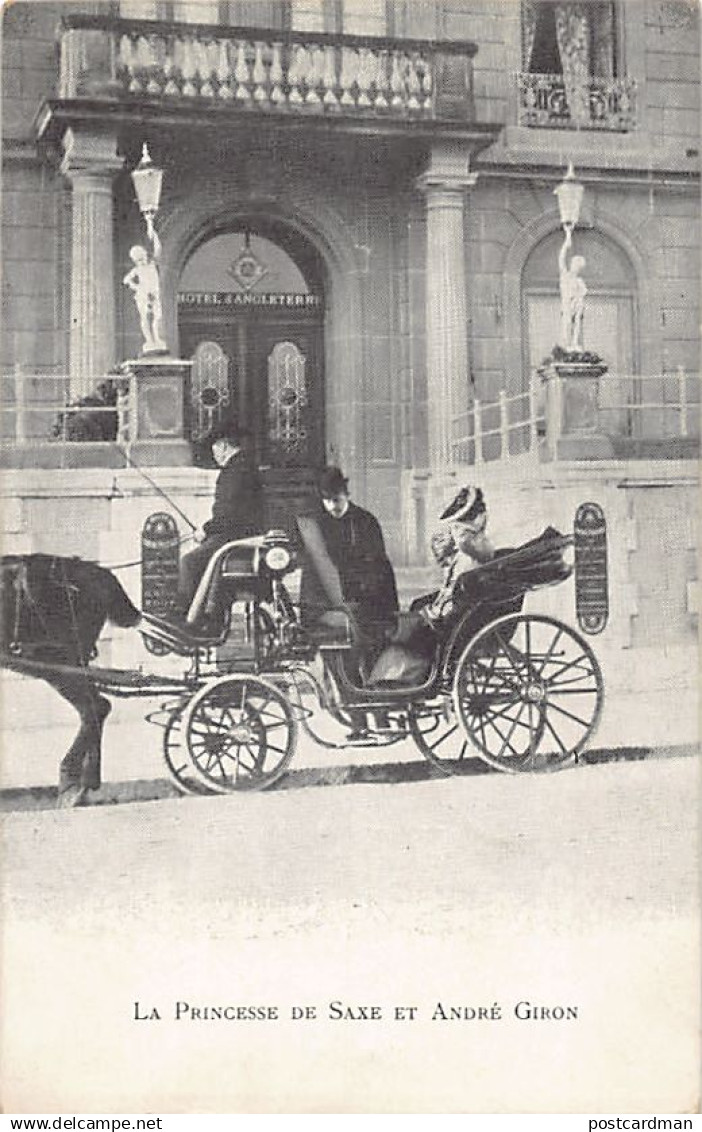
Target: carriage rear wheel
528 692
240 733
438 733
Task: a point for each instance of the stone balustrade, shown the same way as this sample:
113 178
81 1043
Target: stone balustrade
264 70
599 104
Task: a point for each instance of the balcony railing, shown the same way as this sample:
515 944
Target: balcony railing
600 104
501 429
38 414
647 417
264 70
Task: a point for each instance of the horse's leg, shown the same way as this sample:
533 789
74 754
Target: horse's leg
98 711
80 767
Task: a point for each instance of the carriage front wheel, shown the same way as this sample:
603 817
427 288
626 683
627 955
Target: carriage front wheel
528 692
240 733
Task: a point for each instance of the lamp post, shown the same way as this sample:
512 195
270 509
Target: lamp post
572 374
570 198
143 279
157 380
570 194
147 179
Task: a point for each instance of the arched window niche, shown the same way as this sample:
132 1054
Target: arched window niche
610 322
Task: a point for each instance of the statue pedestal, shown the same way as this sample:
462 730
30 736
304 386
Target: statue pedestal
155 421
573 430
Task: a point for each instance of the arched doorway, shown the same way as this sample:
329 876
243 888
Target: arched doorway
251 317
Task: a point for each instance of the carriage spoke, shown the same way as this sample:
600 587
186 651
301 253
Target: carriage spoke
565 668
503 712
576 718
510 733
505 740
584 675
444 737
556 691
532 744
552 647
547 722
257 759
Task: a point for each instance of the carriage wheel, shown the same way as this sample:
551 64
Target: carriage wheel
529 693
240 733
175 756
441 738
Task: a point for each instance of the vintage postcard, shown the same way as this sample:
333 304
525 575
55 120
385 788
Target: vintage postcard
349 488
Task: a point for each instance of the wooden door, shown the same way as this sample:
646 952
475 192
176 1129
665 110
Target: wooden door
262 370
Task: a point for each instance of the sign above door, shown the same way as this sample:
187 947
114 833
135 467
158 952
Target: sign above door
241 299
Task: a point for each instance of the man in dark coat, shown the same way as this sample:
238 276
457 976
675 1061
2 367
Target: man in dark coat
236 512
344 561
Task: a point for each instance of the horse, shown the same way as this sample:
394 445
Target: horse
52 611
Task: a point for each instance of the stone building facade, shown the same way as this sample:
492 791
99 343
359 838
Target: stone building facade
360 241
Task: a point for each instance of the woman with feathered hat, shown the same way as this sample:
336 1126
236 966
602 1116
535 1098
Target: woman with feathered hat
459 544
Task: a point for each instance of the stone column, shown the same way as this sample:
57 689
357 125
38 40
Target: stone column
448 376
90 162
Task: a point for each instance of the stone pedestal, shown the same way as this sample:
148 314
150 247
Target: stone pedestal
573 429
155 424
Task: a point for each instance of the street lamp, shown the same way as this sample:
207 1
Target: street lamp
143 279
571 283
570 194
147 179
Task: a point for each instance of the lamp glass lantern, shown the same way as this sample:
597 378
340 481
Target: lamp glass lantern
570 194
147 179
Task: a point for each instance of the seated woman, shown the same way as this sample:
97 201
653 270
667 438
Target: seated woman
459 544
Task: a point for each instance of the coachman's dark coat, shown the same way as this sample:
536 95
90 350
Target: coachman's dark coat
355 546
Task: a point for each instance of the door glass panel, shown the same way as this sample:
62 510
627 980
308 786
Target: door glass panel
288 436
209 389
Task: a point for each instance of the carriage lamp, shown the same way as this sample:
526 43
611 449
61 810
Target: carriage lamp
277 558
570 194
147 179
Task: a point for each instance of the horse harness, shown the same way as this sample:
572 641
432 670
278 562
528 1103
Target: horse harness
30 598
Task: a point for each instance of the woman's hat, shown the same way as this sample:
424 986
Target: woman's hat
467 505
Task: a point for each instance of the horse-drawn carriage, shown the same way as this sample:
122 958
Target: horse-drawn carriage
520 690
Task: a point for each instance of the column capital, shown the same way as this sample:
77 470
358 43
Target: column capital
448 169
90 153
435 182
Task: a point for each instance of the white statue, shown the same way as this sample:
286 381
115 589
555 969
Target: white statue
573 292
144 282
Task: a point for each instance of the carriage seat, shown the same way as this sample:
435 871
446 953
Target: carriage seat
232 574
333 629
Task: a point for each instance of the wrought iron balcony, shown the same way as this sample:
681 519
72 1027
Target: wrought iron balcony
264 71
598 104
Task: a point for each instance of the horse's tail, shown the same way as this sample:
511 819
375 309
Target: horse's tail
118 607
